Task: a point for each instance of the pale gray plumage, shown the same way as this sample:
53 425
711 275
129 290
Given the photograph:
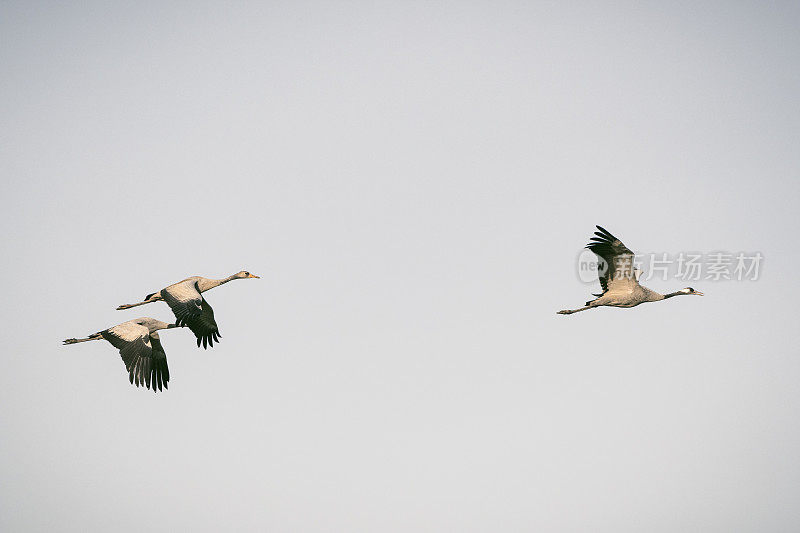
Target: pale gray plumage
619 278
190 308
141 350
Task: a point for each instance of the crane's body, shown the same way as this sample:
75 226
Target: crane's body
630 298
141 350
190 308
618 277
202 285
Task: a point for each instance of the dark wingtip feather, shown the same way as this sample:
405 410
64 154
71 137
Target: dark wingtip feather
608 234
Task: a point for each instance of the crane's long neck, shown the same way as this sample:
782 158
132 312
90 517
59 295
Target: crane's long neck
206 284
158 325
676 293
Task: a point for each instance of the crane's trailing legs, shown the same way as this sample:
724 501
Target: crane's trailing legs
95 337
570 311
150 298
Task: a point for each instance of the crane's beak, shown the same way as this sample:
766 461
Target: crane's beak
698 293
254 276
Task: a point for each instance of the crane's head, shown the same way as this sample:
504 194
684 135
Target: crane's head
689 290
244 274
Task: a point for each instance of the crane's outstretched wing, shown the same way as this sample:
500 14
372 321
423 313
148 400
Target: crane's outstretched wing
158 369
618 271
204 326
142 354
185 300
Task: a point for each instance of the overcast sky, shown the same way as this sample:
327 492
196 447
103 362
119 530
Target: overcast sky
414 182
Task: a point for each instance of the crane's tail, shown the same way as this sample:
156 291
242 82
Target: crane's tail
94 337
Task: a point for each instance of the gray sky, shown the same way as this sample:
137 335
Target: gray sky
413 182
